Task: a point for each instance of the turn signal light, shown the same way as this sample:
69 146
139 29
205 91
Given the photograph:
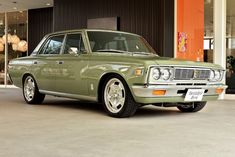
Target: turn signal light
138 72
219 90
159 92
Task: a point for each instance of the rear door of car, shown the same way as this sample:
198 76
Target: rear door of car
45 66
72 78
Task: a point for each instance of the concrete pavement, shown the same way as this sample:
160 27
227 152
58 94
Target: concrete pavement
69 128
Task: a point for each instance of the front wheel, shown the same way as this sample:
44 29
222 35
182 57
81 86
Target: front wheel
117 98
30 91
192 107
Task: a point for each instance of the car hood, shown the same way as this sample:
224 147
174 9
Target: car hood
180 62
151 60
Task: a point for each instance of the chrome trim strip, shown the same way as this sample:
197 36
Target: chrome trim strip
73 96
171 90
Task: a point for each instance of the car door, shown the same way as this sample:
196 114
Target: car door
72 78
45 64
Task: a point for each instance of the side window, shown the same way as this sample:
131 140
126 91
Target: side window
53 45
74 44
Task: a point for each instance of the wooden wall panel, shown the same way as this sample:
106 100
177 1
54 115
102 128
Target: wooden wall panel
153 19
40 23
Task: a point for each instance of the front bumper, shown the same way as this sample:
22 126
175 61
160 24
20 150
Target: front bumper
174 93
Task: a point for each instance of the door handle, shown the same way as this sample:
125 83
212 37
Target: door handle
60 62
35 62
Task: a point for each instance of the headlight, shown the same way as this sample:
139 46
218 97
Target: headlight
212 75
161 73
156 73
216 75
165 74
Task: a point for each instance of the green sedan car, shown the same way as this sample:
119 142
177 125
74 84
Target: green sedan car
118 69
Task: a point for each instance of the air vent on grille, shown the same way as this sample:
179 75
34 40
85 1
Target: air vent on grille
184 74
191 74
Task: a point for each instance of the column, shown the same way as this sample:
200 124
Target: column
220 33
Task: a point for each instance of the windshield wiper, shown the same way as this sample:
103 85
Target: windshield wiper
112 50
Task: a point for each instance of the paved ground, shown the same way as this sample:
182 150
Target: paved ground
68 128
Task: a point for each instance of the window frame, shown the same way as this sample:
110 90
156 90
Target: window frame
46 42
81 38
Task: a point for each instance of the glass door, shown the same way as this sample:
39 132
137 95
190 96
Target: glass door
16 39
208 30
230 35
2 46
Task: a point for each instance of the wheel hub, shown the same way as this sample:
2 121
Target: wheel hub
29 88
114 95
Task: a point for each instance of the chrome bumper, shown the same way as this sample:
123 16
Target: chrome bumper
173 90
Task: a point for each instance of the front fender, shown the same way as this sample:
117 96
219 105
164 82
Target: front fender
126 71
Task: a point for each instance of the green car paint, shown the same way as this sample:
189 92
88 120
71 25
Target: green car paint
81 76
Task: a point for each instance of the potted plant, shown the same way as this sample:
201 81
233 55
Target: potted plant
231 62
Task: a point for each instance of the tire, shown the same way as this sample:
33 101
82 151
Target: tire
192 107
30 91
117 98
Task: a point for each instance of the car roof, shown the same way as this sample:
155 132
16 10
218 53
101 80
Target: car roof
88 30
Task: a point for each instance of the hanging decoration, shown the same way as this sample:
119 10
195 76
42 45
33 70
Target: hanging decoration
22 46
1 40
8 37
17 44
15 39
15 47
1 47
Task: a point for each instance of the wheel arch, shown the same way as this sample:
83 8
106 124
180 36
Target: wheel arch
102 81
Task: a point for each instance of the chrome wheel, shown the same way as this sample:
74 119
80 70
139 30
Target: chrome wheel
29 88
114 95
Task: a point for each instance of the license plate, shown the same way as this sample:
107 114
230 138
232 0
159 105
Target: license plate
194 95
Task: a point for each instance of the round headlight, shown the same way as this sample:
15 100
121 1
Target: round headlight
165 74
217 75
212 75
156 73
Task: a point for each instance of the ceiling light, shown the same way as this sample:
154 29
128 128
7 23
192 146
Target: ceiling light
48 4
14 8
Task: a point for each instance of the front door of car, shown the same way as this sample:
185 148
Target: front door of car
72 66
46 63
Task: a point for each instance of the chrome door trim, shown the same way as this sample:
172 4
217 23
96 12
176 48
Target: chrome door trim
66 95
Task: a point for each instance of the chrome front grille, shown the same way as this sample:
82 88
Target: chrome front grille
191 74
184 74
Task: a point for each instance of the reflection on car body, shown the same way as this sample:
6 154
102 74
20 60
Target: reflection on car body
119 69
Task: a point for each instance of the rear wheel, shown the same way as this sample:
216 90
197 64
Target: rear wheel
30 91
192 107
117 99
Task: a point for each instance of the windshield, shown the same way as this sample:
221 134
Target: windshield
117 42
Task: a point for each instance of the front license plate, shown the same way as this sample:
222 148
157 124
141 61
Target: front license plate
194 95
